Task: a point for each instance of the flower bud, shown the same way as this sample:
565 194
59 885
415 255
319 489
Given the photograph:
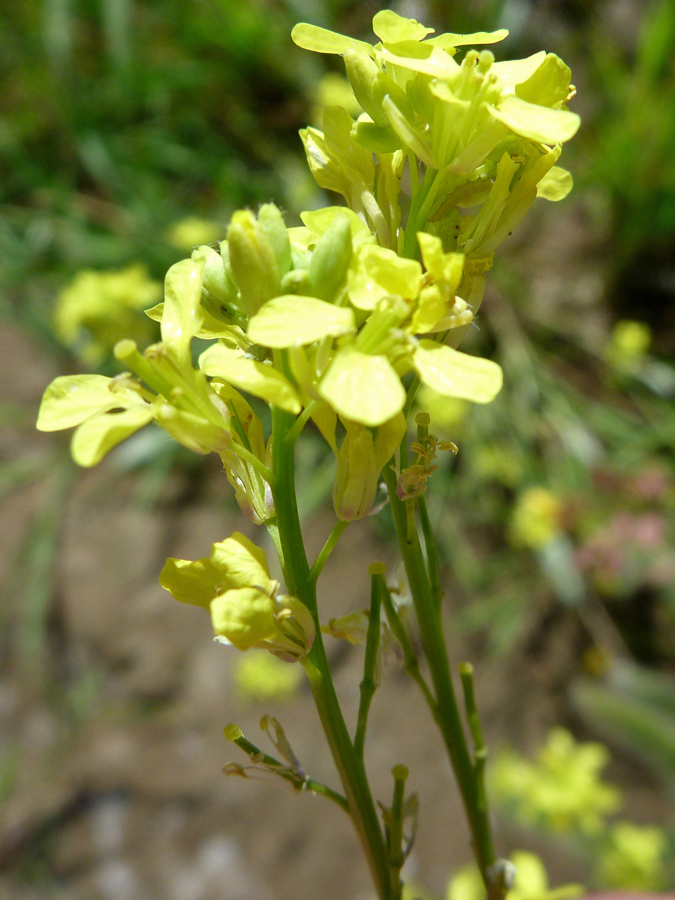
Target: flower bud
297 281
253 261
370 85
272 225
330 260
219 292
356 477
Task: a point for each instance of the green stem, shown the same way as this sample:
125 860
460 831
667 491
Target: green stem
301 421
369 683
299 780
419 209
253 461
445 709
299 584
411 664
432 550
480 750
327 549
396 855
422 420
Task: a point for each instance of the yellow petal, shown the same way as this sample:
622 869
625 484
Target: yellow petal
538 123
456 374
72 399
362 388
251 376
97 436
293 320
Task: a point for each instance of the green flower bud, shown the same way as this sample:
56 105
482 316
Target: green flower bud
219 292
371 85
253 261
376 138
297 281
330 260
356 476
272 225
215 279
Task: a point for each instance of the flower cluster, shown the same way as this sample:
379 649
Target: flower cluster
335 319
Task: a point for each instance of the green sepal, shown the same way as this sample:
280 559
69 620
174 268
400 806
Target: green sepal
356 475
296 281
376 138
191 430
215 279
409 135
252 260
272 225
371 85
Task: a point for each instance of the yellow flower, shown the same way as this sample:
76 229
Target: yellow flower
535 521
234 585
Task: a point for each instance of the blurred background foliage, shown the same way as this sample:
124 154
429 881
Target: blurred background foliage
130 130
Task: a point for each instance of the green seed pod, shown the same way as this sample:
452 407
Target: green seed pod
253 261
272 225
330 260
